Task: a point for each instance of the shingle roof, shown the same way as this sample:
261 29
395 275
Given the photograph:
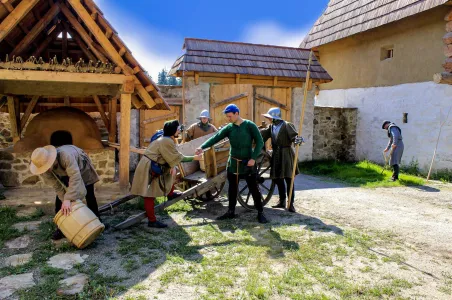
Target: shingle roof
343 18
250 59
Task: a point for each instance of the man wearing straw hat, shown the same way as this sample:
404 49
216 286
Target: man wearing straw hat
154 175
282 135
70 166
395 147
242 158
202 128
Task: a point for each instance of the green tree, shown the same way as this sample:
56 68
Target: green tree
172 80
162 77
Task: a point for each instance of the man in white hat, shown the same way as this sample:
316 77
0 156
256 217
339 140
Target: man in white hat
72 167
282 135
202 128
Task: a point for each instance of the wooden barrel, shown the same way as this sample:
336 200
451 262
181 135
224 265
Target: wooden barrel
81 227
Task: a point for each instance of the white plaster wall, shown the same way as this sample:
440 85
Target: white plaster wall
197 99
427 105
305 153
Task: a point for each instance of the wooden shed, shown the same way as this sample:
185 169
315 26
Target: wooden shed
65 53
254 77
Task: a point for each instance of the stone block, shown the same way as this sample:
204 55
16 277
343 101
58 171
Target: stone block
19 243
18 260
20 167
72 285
102 164
66 261
5 166
9 179
13 283
5 155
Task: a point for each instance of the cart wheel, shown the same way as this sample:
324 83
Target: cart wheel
212 194
265 183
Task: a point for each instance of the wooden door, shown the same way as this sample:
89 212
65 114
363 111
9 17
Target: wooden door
268 97
153 120
223 95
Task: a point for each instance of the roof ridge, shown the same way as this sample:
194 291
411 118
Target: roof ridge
245 43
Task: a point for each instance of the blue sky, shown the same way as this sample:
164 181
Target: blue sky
155 30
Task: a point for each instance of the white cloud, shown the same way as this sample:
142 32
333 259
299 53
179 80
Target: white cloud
271 33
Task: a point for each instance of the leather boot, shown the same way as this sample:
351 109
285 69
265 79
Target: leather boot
292 208
230 214
261 218
157 224
281 204
57 235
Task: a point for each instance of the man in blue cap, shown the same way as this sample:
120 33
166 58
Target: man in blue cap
242 158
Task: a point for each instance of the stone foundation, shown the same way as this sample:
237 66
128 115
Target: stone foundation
334 133
14 168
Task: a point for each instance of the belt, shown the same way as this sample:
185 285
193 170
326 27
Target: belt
239 160
280 147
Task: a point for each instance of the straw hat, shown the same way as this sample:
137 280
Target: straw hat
42 159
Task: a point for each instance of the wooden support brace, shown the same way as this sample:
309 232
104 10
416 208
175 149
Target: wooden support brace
112 131
102 112
136 102
164 117
275 80
271 101
28 112
237 78
12 118
124 141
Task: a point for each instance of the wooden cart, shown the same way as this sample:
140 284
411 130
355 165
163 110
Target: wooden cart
206 184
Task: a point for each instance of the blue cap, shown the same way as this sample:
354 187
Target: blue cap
231 108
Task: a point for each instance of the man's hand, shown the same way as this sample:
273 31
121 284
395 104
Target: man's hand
66 208
393 146
251 163
298 140
173 172
385 150
198 151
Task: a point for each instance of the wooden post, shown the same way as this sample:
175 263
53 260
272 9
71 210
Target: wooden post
12 119
112 131
124 142
300 130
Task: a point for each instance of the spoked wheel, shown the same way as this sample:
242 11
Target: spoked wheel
213 193
265 183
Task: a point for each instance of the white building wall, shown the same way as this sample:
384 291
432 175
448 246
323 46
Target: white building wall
427 105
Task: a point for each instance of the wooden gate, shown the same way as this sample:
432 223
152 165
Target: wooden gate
268 97
222 95
153 120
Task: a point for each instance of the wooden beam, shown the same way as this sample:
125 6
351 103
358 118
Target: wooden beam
28 112
149 88
100 36
144 95
21 10
196 78
122 51
12 119
136 102
52 36
112 131
128 86
81 31
51 76
10 8
164 117
124 141
136 70
64 44
230 99
102 112
271 101
37 29
237 78
109 33
275 80
310 85
76 37
67 101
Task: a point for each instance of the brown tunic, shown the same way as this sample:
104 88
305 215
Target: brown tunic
283 154
195 131
163 151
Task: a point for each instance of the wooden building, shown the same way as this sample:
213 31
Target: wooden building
254 77
383 56
65 53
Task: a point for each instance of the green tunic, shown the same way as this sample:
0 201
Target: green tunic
241 138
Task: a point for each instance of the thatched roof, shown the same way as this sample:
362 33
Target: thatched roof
343 18
243 58
37 25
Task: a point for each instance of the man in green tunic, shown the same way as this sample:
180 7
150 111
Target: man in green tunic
282 135
242 158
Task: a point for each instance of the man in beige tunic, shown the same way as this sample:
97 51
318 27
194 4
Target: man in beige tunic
202 128
147 182
71 166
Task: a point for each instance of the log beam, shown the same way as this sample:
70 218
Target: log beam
28 112
113 111
124 141
21 10
102 112
37 29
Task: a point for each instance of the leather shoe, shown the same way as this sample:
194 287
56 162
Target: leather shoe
261 218
174 195
157 224
279 205
228 215
292 209
57 235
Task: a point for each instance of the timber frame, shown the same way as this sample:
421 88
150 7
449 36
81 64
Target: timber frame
65 53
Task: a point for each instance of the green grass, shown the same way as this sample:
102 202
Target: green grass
363 174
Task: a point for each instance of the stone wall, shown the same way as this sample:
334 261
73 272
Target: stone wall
197 99
171 91
425 103
334 135
305 153
14 168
